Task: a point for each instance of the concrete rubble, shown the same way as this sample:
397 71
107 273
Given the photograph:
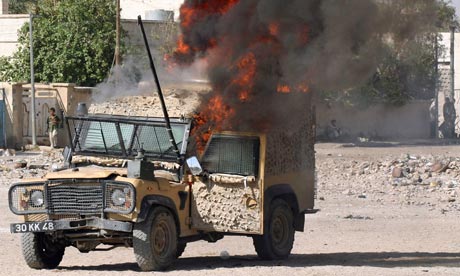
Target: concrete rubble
429 181
29 164
179 103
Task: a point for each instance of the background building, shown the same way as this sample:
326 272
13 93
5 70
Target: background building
130 9
150 10
9 26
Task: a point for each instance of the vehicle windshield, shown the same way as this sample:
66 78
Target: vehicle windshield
122 137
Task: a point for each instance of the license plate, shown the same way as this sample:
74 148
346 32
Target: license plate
44 226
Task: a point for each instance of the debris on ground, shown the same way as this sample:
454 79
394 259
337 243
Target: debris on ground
431 181
358 217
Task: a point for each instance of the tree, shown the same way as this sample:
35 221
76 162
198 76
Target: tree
446 16
21 6
74 41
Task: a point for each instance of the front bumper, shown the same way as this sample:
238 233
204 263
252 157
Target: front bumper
82 224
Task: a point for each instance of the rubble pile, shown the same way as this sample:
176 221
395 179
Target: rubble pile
432 181
15 166
419 170
179 103
407 170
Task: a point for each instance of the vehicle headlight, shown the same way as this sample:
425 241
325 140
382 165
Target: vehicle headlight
118 197
37 198
27 198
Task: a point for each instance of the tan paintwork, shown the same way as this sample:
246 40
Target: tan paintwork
32 180
86 173
301 182
158 187
263 155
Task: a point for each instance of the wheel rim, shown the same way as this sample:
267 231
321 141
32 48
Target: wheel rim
280 231
161 238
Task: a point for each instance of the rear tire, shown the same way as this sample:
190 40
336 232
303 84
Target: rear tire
40 252
155 241
278 239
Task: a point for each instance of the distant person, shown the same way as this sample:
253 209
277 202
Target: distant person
433 119
53 123
450 115
333 131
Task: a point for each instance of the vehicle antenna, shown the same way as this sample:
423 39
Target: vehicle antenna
160 93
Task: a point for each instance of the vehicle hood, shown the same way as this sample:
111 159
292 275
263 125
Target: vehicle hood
86 173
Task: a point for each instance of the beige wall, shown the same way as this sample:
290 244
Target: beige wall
411 121
61 96
14 114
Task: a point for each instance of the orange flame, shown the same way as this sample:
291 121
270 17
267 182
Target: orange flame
186 15
245 78
219 111
274 29
215 112
284 89
191 12
303 88
244 96
182 47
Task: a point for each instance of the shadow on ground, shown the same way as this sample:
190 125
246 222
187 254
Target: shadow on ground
372 259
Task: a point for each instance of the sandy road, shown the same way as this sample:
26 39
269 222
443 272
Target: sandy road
394 240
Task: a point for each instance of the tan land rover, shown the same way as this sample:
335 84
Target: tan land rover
123 185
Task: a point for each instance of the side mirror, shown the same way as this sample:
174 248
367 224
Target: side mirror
194 165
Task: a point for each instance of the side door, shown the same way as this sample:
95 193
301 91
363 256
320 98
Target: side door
229 197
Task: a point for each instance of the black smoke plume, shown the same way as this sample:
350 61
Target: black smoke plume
259 50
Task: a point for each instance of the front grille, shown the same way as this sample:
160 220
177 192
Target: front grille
83 199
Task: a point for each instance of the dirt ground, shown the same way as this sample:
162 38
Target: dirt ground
365 227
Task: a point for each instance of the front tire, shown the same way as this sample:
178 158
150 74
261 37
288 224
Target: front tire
155 241
40 252
278 239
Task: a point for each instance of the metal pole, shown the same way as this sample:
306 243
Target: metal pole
32 82
118 28
436 85
452 64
